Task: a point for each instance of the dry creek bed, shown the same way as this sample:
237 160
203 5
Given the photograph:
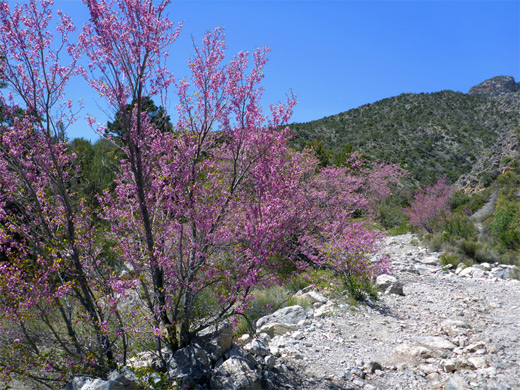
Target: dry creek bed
448 331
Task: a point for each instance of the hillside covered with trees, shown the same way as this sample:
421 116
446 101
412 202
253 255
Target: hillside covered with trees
429 134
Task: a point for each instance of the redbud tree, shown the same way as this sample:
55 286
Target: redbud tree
430 206
199 215
184 212
335 236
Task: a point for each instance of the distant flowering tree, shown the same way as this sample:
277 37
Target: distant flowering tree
379 180
333 237
430 206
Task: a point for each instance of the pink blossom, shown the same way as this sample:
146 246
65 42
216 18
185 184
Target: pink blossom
430 206
219 205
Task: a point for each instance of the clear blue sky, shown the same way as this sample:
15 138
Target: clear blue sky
338 55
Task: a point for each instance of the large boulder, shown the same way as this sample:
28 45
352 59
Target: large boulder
506 272
189 364
413 351
97 384
472 272
216 342
257 347
276 329
310 297
389 284
435 342
236 373
454 327
325 310
456 382
123 379
286 315
78 382
430 260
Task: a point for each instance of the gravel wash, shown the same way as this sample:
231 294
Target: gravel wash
448 331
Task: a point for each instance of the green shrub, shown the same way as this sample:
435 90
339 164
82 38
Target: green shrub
505 223
510 257
486 254
459 226
434 241
358 288
401 229
487 178
469 248
468 204
458 199
297 282
389 212
324 280
450 259
361 289
505 226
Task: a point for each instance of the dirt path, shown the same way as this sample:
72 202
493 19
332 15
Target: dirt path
448 331
486 210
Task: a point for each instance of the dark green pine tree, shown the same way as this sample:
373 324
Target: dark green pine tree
158 116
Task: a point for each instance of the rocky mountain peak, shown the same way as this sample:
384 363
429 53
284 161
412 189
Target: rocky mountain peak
496 86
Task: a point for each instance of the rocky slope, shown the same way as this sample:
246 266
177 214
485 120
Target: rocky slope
496 86
498 157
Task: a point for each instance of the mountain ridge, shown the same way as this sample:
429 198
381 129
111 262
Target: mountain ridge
437 134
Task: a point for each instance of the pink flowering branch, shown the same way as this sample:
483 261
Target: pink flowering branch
430 206
51 277
126 43
217 206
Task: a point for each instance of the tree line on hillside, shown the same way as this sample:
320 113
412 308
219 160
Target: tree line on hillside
431 135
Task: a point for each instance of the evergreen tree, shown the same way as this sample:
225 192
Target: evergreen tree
157 117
